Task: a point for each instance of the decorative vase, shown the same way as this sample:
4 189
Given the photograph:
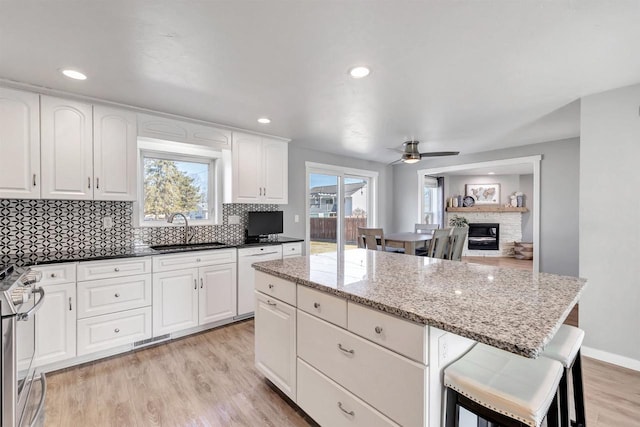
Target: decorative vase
454 202
520 201
460 201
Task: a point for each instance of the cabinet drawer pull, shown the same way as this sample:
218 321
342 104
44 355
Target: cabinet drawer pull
270 286
201 283
316 305
34 180
89 182
197 259
378 330
264 193
97 183
116 269
271 303
195 284
117 295
345 411
53 275
341 348
116 330
70 305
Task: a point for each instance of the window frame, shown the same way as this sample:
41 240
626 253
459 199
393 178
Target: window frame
181 152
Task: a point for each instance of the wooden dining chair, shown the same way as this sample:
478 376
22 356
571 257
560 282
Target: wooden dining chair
456 243
426 228
439 243
368 238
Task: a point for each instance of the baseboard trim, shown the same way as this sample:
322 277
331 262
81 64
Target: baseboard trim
615 359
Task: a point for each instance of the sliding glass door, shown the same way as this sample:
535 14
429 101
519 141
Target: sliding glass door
338 203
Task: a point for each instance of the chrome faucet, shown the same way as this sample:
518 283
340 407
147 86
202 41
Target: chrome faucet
188 235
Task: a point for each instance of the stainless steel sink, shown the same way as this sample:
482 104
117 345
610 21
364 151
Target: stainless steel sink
187 247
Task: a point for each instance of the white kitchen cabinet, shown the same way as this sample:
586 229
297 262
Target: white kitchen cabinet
175 301
180 131
275 342
20 144
112 330
56 325
184 298
217 296
291 250
66 149
260 169
114 154
246 274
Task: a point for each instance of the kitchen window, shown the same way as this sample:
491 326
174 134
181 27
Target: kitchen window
173 182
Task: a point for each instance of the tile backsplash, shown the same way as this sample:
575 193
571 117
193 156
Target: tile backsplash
51 226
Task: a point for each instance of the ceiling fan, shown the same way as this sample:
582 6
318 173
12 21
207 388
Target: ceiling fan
410 153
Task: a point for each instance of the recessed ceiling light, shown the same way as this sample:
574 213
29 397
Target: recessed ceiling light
73 74
492 173
264 120
359 72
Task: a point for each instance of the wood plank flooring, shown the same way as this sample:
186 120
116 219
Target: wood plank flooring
209 379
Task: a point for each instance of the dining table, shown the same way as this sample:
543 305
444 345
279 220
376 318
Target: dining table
407 240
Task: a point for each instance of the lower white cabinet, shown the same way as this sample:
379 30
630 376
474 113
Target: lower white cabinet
189 297
275 342
329 404
112 330
56 325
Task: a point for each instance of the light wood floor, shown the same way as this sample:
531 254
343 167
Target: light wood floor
209 380
525 264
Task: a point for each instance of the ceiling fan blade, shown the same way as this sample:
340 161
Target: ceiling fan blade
439 154
396 150
394 162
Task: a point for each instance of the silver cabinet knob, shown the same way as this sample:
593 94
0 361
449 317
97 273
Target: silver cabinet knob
316 305
197 259
117 295
116 269
116 330
378 330
53 275
270 286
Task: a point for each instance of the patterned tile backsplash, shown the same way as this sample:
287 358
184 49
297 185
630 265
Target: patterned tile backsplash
61 226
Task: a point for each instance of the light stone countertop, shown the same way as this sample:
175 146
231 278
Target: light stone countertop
511 309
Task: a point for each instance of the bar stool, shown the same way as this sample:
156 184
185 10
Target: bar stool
503 388
565 348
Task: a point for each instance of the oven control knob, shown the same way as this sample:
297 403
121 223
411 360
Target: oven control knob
20 297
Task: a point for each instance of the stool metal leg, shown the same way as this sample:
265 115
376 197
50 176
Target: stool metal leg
552 415
451 412
564 399
578 391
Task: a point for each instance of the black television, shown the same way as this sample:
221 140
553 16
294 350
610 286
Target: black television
261 224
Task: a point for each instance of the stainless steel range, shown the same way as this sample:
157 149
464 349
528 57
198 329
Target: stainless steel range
22 399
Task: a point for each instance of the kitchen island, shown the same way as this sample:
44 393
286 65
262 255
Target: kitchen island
376 329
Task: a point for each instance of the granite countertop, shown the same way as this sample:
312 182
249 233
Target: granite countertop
127 251
515 310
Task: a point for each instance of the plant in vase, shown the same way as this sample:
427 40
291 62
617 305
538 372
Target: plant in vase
458 221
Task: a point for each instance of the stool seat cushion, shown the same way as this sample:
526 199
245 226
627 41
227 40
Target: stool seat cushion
515 386
564 346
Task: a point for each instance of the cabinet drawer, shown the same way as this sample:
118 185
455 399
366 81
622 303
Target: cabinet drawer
407 338
393 384
112 330
329 404
111 295
276 287
291 249
275 250
325 306
113 268
193 259
56 273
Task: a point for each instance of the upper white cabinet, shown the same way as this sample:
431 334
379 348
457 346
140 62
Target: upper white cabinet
114 154
260 169
67 149
87 154
19 144
176 130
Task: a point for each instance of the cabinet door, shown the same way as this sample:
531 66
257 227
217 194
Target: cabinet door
19 144
175 301
114 154
275 162
247 186
217 297
66 149
56 325
275 343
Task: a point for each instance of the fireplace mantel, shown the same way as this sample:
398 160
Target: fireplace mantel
488 208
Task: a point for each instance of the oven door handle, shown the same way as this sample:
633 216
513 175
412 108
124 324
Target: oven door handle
43 395
26 315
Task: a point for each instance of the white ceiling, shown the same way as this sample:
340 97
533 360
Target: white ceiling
464 75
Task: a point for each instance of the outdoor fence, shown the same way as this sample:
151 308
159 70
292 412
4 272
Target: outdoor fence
324 229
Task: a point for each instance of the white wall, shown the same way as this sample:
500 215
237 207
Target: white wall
297 192
609 223
526 186
559 175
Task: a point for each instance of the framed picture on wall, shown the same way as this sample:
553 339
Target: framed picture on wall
484 194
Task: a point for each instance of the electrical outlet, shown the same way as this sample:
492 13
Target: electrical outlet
234 219
296 218
107 222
